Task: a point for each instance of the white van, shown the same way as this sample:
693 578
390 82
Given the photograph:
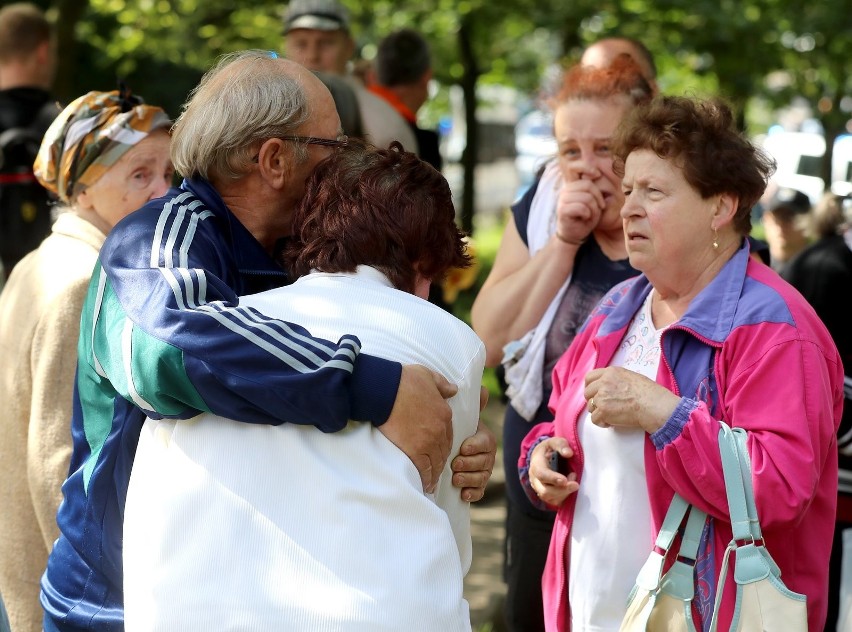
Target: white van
799 157
534 145
841 165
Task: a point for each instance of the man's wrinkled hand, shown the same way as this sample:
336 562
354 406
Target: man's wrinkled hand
421 422
474 464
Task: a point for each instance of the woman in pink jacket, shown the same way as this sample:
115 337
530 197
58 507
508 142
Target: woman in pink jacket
705 334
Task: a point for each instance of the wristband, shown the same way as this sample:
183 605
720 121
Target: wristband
567 241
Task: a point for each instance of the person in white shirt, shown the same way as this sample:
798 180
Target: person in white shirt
232 526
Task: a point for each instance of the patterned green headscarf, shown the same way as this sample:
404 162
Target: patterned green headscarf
89 137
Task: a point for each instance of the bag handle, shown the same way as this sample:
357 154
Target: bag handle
650 576
692 533
651 573
739 491
753 560
691 538
679 581
671 523
733 445
737 507
740 440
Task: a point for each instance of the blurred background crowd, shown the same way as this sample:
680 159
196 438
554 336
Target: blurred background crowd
473 90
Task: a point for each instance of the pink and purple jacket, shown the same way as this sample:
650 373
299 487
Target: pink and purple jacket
749 351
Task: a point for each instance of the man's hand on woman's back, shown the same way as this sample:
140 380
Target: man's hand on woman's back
421 422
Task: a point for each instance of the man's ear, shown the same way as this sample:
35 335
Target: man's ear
82 199
43 53
350 46
274 162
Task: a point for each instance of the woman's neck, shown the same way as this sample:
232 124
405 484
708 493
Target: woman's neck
672 298
92 217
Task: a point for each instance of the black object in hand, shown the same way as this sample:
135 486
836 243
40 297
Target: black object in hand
559 463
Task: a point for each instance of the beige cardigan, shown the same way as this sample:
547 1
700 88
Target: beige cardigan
39 325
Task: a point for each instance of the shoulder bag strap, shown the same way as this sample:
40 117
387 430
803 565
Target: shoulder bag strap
651 573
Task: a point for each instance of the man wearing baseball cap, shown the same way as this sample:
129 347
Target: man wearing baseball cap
784 210
317 36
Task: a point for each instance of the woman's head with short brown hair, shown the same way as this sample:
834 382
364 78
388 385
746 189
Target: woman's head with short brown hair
383 208
701 138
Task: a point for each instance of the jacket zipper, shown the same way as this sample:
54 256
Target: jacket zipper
563 579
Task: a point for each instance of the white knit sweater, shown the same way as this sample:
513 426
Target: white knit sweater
39 324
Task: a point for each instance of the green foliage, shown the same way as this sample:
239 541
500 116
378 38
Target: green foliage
188 32
733 45
757 53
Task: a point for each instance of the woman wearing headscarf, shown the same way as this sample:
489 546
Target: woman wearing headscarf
705 334
104 156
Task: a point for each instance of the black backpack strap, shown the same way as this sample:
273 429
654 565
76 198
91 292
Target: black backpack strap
26 138
46 115
25 207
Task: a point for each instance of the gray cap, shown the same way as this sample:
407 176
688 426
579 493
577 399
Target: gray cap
788 202
319 15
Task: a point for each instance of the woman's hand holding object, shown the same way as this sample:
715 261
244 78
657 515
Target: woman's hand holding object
551 486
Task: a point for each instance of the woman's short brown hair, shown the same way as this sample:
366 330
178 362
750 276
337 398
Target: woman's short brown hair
378 207
701 138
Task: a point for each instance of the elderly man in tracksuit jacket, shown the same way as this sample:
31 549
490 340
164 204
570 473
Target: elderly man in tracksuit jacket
163 335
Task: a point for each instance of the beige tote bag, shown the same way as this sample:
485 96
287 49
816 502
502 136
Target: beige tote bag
663 602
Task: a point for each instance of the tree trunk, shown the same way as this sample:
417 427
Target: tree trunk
831 135
469 157
833 123
69 13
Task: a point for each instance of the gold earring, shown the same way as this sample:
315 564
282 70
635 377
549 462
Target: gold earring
715 238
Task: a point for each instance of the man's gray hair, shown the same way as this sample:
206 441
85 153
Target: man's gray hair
246 98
